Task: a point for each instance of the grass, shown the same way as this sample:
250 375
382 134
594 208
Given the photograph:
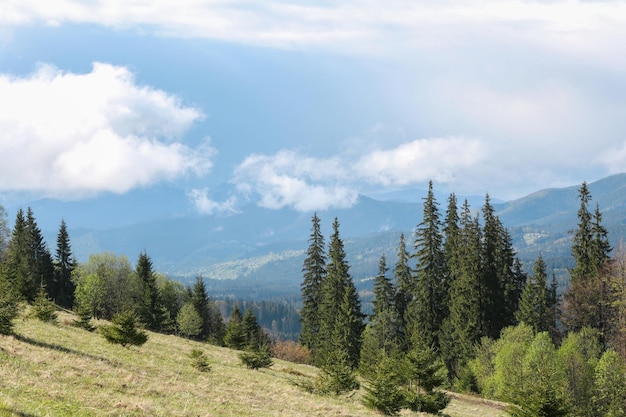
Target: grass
61 370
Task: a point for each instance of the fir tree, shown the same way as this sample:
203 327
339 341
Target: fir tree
124 331
589 297
212 323
8 306
385 320
151 308
314 270
254 334
43 307
63 288
535 304
341 319
464 326
428 311
17 268
493 303
405 286
41 267
235 337
383 388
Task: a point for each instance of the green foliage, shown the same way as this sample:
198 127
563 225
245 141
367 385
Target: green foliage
150 307
314 271
8 306
382 388
199 360
337 375
610 385
235 337
43 308
424 373
535 305
189 321
124 331
510 376
62 288
213 328
257 359
84 317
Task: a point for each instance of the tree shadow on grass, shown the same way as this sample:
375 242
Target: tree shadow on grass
12 412
62 349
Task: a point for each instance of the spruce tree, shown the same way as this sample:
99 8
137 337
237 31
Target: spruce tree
535 304
314 271
62 291
254 333
428 311
41 267
151 308
493 303
17 268
385 321
123 330
588 297
212 323
8 306
5 233
235 337
341 319
464 326
405 287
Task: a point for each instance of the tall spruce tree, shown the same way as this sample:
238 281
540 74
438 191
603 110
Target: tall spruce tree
385 321
314 271
535 304
212 323
341 319
464 326
16 267
5 233
151 308
589 297
493 303
428 311
62 291
40 260
405 287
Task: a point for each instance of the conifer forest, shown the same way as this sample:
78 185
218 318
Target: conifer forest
454 311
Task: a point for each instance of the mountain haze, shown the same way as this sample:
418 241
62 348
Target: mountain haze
258 252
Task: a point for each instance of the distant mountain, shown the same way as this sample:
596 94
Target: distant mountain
258 252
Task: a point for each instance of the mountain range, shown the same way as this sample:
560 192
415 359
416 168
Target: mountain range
258 253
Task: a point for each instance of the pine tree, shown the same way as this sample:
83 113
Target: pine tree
314 270
151 308
40 263
235 337
589 297
464 327
212 323
62 291
341 319
428 311
535 304
405 287
17 268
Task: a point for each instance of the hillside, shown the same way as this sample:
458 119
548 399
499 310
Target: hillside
60 370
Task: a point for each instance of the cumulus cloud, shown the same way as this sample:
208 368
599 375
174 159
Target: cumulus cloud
70 135
304 183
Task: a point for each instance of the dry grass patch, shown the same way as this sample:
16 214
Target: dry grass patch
61 370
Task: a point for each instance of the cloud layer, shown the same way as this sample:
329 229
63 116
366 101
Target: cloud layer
71 135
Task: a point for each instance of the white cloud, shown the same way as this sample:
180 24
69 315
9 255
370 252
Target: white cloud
349 25
69 135
420 160
289 179
205 205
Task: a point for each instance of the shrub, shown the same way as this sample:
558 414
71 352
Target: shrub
256 359
124 331
8 307
291 351
199 360
43 307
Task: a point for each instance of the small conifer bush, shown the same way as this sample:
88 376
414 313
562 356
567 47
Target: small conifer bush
43 307
8 307
199 360
123 330
257 359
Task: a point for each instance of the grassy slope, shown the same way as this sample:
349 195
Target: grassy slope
60 370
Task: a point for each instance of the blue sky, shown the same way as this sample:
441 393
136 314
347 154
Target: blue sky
308 104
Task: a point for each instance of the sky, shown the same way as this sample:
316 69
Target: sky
307 104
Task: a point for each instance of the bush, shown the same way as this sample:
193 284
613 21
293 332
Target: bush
256 359
382 388
199 360
124 331
337 376
43 307
8 307
291 351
